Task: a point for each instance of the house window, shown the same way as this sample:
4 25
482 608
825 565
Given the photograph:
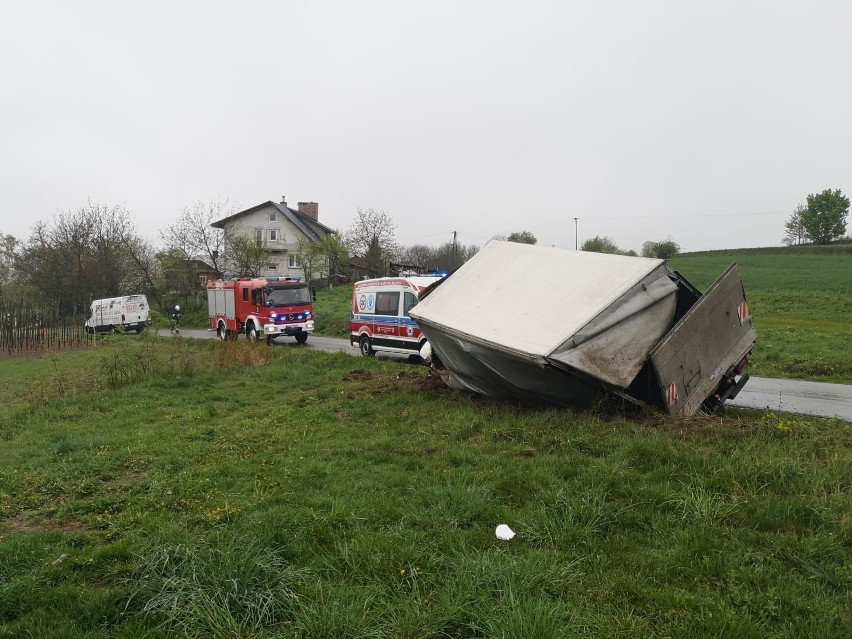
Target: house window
272 266
294 262
273 216
258 235
273 235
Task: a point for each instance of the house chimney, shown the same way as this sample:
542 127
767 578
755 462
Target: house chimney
311 209
284 201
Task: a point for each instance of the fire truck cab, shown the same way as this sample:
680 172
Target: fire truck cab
260 308
379 319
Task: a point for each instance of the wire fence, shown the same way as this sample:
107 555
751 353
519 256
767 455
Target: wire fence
27 328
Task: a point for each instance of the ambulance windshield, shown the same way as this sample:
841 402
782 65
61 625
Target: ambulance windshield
288 296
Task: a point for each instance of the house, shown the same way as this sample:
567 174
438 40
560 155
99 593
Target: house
281 229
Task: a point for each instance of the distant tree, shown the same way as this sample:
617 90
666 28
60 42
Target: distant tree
522 237
796 233
176 275
247 256
80 256
450 256
419 256
146 275
308 255
824 219
372 236
193 235
501 238
334 254
444 258
662 250
9 247
599 244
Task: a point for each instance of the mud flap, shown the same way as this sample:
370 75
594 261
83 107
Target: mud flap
698 354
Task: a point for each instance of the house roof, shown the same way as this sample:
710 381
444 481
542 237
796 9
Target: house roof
310 227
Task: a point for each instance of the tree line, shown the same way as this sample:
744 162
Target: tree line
95 252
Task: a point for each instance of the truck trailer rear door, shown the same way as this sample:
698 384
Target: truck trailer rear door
705 347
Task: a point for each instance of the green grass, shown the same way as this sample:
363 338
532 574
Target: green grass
332 311
232 490
802 305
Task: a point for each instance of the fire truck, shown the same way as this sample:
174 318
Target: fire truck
261 308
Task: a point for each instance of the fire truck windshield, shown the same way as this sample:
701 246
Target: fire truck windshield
288 296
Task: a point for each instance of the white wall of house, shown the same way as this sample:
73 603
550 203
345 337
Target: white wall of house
280 235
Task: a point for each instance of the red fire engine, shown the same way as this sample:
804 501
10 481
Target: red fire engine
261 308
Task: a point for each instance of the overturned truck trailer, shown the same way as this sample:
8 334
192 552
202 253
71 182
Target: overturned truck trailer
548 325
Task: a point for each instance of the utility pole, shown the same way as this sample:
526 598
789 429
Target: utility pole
455 252
575 233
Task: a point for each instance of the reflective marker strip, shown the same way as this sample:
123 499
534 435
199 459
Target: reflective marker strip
671 394
744 312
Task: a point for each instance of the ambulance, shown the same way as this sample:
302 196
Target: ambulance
379 319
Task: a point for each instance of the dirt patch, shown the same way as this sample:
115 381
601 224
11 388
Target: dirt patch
359 375
34 523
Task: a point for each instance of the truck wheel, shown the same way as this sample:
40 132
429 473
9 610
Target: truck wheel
251 332
301 337
221 332
366 347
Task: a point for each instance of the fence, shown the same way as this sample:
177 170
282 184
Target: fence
27 328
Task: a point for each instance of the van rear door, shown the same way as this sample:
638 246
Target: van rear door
708 342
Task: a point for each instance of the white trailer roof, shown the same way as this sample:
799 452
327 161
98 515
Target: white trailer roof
530 299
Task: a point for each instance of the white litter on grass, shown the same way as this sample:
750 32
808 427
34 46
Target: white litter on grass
504 532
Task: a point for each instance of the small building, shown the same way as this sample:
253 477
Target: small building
281 229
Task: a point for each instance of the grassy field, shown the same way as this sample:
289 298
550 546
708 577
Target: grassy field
802 305
162 488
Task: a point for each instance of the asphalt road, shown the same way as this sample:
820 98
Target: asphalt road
780 395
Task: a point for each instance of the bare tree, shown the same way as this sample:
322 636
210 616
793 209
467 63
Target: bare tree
145 276
80 256
309 256
9 248
420 256
193 235
444 258
796 233
373 237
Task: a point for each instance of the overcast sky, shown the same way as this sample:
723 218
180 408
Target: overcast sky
707 122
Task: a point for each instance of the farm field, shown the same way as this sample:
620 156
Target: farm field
161 488
802 305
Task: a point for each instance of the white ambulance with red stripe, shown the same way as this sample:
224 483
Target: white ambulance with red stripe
379 319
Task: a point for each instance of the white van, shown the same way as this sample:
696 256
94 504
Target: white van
379 319
128 313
